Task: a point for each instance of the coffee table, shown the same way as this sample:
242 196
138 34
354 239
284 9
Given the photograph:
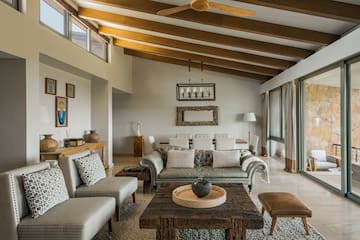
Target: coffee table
236 215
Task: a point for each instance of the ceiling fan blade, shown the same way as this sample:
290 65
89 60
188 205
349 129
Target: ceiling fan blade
232 10
169 11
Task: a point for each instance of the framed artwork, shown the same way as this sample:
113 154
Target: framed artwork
70 90
61 112
50 86
195 92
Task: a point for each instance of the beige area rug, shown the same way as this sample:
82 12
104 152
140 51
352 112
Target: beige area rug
128 228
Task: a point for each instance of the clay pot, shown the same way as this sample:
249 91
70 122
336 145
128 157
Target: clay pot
92 137
48 144
201 188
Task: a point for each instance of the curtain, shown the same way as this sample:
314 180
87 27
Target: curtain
265 125
290 127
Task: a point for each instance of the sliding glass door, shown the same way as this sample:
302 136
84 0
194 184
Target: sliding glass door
322 126
354 73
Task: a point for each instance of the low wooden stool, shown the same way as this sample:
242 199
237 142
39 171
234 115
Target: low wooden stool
283 204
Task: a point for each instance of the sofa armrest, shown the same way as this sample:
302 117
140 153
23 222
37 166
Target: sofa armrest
155 163
253 165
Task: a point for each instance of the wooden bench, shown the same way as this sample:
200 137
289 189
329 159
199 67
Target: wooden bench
283 204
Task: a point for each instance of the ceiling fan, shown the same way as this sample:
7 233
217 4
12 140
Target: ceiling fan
204 5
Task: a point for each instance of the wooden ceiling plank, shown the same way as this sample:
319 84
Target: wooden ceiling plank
195 34
119 33
195 65
230 22
322 8
195 57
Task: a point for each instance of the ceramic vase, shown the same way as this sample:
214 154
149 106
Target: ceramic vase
201 188
92 137
48 144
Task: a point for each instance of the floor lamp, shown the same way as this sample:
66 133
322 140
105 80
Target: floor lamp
249 117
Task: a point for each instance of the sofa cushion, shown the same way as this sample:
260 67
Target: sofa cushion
76 218
118 187
208 173
164 151
244 154
44 190
90 169
180 159
226 158
203 158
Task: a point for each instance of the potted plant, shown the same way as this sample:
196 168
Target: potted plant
201 187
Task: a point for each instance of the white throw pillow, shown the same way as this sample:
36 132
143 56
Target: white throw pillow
226 158
44 190
180 158
90 169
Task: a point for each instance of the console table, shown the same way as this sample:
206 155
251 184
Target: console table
72 150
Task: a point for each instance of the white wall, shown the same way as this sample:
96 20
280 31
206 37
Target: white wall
153 102
22 35
79 108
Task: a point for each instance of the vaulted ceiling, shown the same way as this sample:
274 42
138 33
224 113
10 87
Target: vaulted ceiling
258 47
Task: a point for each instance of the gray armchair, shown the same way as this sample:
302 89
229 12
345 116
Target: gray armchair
320 160
118 187
72 219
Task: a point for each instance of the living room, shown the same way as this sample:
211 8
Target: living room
117 90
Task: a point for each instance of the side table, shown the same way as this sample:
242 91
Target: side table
142 175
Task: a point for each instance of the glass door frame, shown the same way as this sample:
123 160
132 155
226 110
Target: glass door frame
349 194
300 125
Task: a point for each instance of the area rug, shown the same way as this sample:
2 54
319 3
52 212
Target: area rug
128 229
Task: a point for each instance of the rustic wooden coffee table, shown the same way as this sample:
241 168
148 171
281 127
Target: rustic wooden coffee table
236 215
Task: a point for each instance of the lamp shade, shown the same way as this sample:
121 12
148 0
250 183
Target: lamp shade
249 117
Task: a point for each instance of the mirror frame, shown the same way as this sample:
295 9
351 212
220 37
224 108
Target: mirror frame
180 112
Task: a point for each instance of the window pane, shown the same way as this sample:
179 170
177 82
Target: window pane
78 33
98 46
322 126
355 127
53 16
275 114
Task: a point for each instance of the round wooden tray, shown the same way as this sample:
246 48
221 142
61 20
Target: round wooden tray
185 197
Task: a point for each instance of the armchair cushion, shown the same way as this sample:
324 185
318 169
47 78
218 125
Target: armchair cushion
90 169
44 190
320 155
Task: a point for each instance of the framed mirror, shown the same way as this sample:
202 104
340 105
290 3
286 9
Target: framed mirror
197 116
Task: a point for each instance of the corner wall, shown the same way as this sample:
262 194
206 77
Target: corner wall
153 103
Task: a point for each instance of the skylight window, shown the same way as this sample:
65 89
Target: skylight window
78 33
98 46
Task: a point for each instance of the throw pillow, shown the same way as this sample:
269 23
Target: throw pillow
203 158
164 151
226 158
44 190
90 169
180 159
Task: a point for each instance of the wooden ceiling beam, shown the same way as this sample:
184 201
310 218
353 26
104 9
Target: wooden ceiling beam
195 65
195 57
230 22
119 33
322 8
195 34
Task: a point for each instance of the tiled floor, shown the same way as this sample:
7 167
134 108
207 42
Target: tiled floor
334 216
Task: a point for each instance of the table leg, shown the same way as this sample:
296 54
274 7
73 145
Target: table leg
166 230
237 232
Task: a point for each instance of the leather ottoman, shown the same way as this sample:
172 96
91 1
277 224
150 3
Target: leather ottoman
283 204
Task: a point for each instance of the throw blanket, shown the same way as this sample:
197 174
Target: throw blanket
254 160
